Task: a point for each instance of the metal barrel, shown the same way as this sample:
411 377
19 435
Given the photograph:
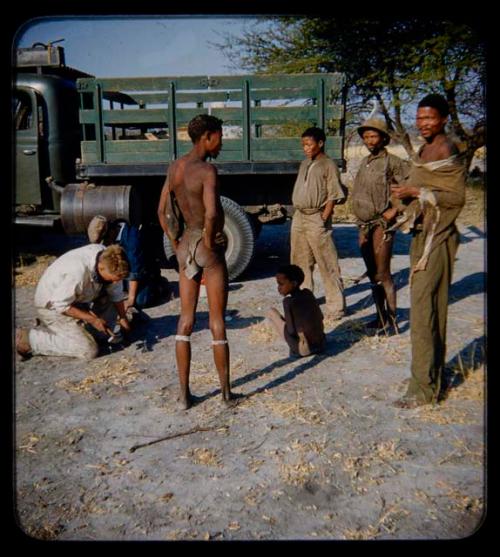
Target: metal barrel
81 202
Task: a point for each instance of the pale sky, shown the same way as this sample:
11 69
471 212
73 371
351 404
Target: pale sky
137 46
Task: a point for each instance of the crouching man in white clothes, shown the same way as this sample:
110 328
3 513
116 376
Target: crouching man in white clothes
82 287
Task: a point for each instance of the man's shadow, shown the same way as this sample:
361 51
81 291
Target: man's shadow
462 365
148 331
400 279
474 283
338 340
473 233
467 286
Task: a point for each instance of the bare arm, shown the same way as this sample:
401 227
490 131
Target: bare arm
162 205
398 174
290 328
133 287
404 191
88 317
211 203
122 312
327 210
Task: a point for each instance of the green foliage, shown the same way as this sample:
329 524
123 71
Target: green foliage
393 60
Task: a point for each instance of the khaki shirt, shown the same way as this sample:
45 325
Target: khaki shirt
372 185
71 278
318 182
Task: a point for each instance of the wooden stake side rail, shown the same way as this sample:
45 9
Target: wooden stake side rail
144 120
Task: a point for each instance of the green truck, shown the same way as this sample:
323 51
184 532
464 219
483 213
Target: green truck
86 145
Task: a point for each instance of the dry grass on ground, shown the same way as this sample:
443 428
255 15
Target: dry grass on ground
29 271
104 372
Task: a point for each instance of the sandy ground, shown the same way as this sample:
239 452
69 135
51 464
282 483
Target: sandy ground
315 451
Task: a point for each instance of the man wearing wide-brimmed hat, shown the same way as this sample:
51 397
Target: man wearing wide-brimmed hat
372 207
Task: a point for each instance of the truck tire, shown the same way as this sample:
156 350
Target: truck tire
241 237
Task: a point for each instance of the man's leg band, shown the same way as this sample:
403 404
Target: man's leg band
217 342
182 338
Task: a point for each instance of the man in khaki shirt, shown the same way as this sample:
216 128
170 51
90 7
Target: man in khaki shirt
317 189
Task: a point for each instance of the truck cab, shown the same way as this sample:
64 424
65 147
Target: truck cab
47 130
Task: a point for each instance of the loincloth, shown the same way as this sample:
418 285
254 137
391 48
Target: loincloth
193 255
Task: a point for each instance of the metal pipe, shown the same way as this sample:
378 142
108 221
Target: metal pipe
53 186
81 202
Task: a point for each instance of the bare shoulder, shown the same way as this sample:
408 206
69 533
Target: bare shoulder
209 169
176 167
452 147
447 148
201 168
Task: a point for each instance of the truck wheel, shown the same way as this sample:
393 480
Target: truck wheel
241 238
240 235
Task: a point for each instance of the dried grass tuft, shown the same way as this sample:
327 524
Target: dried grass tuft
473 386
389 450
29 443
204 456
387 522
262 332
29 275
297 474
473 210
46 531
112 372
295 410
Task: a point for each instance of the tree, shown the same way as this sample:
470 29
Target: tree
392 60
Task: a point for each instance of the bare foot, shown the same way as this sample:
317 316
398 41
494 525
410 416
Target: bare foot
185 402
233 399
23 347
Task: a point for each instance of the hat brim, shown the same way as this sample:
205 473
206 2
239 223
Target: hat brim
363 129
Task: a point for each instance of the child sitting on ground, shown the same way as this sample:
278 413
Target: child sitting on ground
302 327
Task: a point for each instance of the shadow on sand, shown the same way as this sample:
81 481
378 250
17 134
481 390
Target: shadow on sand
458 369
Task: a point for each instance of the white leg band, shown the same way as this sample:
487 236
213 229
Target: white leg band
183 338
217 342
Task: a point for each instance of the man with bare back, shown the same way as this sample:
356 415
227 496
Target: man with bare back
200 250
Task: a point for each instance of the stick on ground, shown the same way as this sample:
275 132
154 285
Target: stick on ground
173 436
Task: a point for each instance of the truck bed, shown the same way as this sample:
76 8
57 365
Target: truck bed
135 126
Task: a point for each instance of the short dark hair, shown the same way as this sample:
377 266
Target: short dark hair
292 272
316 133
435 101
201 124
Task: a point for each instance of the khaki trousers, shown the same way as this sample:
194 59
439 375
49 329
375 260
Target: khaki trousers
62 335
428 316
312 243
